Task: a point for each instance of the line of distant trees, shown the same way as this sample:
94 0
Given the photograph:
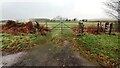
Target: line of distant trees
57 19
40 19
51 20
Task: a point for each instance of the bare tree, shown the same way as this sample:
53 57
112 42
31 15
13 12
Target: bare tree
113 10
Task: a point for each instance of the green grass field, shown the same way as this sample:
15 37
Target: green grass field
70 24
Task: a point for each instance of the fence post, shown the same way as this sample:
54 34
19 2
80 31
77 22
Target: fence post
106 27
98 28
110 28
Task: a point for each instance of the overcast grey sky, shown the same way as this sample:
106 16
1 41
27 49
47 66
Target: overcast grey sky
25 9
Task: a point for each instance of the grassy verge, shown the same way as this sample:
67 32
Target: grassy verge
102 49
14 43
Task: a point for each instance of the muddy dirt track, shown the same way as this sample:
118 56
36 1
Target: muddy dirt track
49 55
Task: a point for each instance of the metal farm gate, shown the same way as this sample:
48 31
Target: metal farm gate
67 29
61 28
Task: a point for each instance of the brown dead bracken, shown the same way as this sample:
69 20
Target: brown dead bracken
11 27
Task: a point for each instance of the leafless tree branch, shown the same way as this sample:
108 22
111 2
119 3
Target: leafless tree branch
113 5
114 10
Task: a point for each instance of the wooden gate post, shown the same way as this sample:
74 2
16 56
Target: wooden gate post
81 28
